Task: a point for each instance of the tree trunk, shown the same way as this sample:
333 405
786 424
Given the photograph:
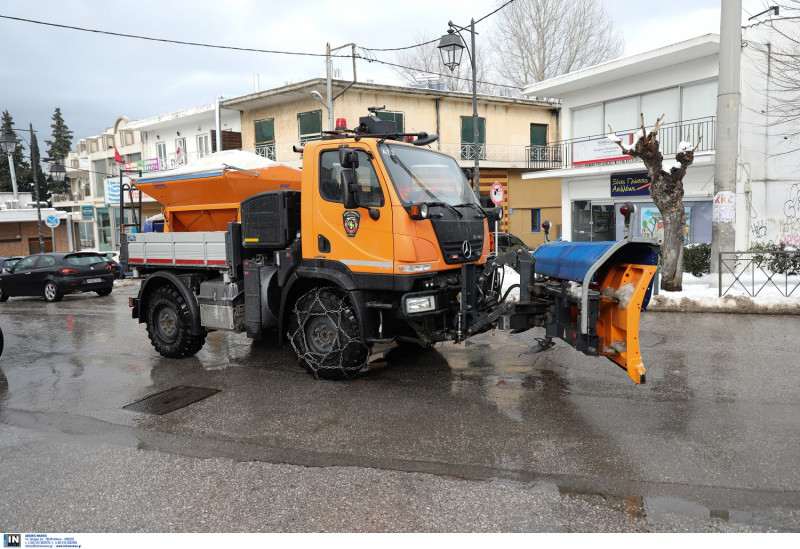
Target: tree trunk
672 249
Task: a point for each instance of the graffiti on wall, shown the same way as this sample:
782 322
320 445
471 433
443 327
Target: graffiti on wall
786 229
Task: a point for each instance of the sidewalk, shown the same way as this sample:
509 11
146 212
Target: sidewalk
702 295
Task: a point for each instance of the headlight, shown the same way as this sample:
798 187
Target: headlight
418 268
420 304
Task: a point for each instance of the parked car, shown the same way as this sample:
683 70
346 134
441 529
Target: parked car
116 266
51 275
507 242
8 262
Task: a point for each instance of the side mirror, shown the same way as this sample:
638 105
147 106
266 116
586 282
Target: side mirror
425 139
348 183
348 158
496 213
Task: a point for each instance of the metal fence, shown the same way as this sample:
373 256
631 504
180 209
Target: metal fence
559 155
758 272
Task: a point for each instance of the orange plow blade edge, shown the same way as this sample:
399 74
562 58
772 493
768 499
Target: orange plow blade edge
623 290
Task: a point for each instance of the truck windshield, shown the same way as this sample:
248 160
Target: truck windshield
422 175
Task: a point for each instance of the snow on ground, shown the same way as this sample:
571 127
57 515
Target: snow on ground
701 294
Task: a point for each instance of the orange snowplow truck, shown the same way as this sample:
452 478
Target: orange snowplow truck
376 241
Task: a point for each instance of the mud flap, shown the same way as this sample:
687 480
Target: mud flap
623 291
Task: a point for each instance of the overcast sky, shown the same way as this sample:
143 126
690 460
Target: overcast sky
95 77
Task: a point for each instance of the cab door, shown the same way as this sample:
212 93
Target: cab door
361 238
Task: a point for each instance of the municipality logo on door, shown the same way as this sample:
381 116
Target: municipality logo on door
12 540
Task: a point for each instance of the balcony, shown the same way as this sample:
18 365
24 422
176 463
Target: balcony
590 150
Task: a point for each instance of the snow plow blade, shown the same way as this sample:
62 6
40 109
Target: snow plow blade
622 294
609 282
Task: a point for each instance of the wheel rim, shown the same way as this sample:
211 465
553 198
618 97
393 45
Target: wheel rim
167 324
50 291
321 334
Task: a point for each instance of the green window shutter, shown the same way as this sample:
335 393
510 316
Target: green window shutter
310 125
466 129
538 135
265 130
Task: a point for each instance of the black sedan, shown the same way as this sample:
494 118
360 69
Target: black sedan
51 275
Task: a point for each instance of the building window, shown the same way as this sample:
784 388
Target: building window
468 138
536 220
180 151
677 104
161 152
265 138
309 126
203 146
538 150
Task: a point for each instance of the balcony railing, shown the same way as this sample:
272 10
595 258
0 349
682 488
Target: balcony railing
562 155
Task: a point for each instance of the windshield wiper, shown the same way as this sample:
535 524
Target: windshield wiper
446 205
473 205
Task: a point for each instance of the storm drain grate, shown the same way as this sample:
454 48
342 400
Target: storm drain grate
170 400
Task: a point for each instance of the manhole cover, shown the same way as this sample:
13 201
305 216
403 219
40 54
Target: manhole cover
170 400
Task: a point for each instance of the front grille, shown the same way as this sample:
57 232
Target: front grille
453 251
452 233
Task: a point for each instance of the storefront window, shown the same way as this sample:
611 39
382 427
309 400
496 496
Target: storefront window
592 222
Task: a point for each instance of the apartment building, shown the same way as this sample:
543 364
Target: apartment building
680 82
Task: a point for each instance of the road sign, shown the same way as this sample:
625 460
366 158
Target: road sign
497 193
52 221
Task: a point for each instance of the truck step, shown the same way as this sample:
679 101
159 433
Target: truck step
378 341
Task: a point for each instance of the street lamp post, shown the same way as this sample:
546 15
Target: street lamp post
9 145
452 46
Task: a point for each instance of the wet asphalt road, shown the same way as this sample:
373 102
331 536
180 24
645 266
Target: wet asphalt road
479 437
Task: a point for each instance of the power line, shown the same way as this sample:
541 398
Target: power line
166 40
376 60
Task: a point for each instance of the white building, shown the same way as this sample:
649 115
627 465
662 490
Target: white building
150 145
679 81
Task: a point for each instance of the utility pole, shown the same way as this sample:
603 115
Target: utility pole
723 225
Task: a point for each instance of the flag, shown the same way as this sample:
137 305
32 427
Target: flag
117 156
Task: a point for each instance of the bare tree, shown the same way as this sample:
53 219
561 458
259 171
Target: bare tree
539 39
666 190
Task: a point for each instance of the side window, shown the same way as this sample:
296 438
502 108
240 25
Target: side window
26 263
370 193
45 261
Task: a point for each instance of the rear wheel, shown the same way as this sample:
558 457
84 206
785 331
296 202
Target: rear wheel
105 292
3 295
325 335
169 324
51 292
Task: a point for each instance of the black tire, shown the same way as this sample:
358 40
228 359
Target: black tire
103 293
51 293
169 324
3 295
324 332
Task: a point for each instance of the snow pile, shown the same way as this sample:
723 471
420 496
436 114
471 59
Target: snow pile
218 161
613 138
685 147
701 294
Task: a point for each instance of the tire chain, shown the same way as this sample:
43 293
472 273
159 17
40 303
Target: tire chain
314 361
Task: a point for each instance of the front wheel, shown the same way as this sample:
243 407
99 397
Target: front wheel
169 324
325 335
51 292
